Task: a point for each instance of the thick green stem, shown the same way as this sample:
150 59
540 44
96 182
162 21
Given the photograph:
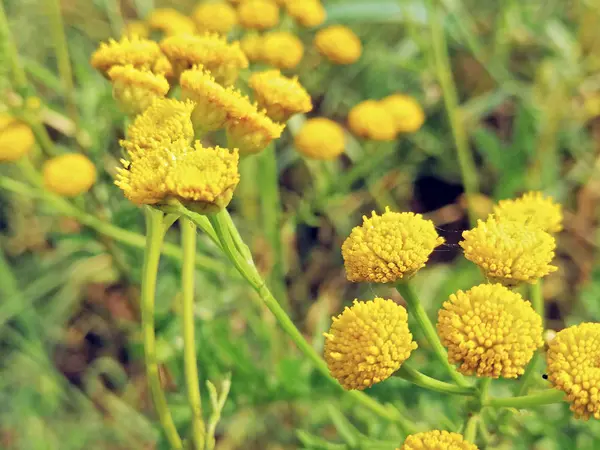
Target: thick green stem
18 74
470 432
537 300
546 397
424 381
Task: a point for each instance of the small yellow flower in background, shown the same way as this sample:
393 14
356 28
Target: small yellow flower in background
280 96
136 28
389 247
258 14
509 252
339 44
367 343
574 367
406 112
135 89
69 175
533 208
320 138
436 440
369 120
134 51
282 50
249 129
308 13
215 17
252 46
171 22
490 331
16 138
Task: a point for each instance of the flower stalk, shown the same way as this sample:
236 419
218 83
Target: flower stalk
414 376
546 397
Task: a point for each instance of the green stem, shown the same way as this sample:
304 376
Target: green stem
424 381
546 397
18 74
537 300
526 379
154 240
470 432
188 243
415 308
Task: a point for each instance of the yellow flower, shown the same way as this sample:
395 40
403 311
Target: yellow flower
389 247
250 129
308 13
281 97
436 440
339 44
16 138
367 343
282 50
320 138
258 14
533 208
406 112
490 331
136 28
509 252
574 367
171 22
216 17
69 175
136 89
212 51
252 46
369 120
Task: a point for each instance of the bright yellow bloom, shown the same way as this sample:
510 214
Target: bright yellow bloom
533 208
490 331
574 367
250 129
16 138
136 28
280 96
252 46
436 440
222 59
367 343
509 252
389 247
69 175
308 13
171 22
258 14
320 138
369 120
282 50
136 89
406 112
339 44
139 53
215 17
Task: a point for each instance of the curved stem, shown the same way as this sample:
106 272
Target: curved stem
470 432
424 381
546 397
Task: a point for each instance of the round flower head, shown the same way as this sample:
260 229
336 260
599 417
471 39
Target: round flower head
136 89
280 96
436 440
339 44
308 13
16 138
258 14
490 331
216 17
252 46
369 120
171 22
134 51
250 129
509 252
406 112
69 175
389 247
320 138
574 367
367 343
282 50
136 28
532 208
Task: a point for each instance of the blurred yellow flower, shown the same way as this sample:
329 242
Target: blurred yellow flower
370 120
367 343
171 22
389 247
258 14
69 175
406 112
134 51
215 17
320 138
436 440
509 252
16 138
339 44
308 13
136 28
252 46
250 129
573 367
533 208
282 50
135 89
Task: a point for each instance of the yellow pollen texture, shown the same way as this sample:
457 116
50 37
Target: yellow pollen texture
281 49
136 89
533 208
134 51
436 440
217 17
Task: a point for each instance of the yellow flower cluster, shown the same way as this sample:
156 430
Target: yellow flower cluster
69 175
320 138
532 208
308 13
171 22
136 89
339 44
258 14
16 138
367 343
436 440
215 17
407 114
136 28
280 49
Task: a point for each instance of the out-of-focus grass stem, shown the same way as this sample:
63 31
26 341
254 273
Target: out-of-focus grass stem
18 73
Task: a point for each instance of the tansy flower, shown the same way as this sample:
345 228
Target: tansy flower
339 44
320 138
69 175
490 331
282 50
574 367
367 343
533 208
258 14
16 138
250 129
171 22
215 17
436 440
136 28
370 120
280 96
308 13
509 252
252 46
139 53
389 247
136 89
406 112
